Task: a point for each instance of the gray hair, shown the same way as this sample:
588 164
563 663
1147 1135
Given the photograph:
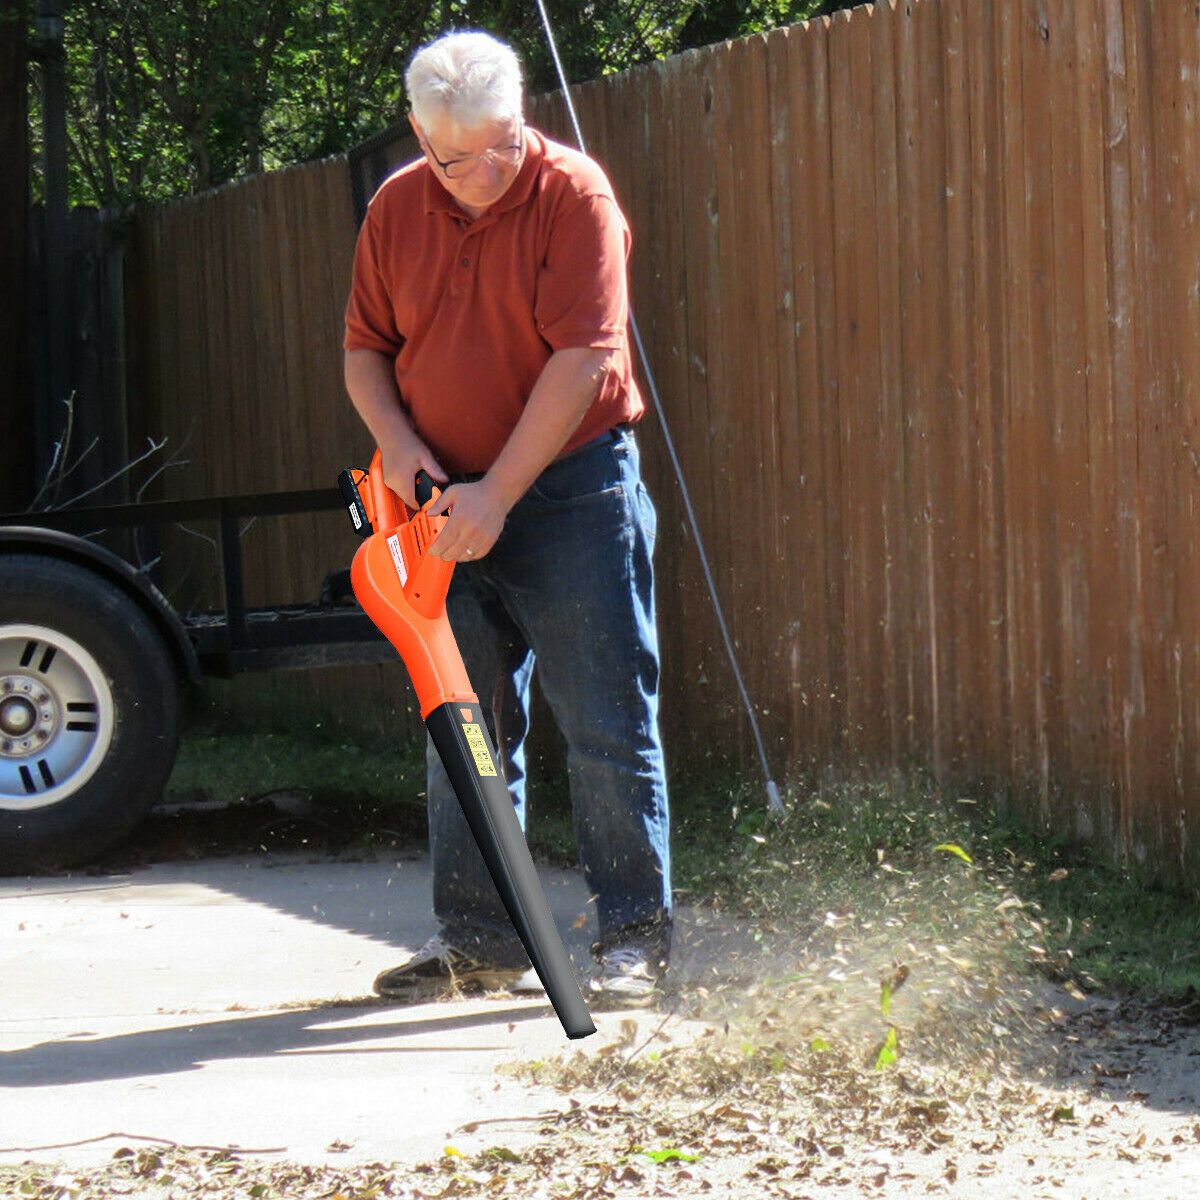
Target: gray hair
471 77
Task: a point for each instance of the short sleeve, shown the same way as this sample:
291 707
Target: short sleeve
582 296
370 323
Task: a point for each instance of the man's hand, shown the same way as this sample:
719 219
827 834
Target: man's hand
401 462
371 384
477 512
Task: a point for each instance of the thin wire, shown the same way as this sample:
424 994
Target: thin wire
773 797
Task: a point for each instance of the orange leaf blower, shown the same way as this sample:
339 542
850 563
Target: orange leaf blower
402 588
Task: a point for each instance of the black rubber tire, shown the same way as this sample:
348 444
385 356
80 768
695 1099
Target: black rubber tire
108 623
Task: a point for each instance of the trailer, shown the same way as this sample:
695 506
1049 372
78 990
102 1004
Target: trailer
93 661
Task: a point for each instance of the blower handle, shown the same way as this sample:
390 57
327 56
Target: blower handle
425 487
387 511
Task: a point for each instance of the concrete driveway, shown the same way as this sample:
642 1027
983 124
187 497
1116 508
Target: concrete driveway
227 1003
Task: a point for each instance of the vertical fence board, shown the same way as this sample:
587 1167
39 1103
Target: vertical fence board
817 654
960 450
896 630
846 134
1185 818
793 479
1124 677
1143 729
941 415
1094 395
1065 403
1019 440
1038 408
917 348
743 207
761 493
728 385
696 149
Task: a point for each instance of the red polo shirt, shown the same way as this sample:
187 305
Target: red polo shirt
473 309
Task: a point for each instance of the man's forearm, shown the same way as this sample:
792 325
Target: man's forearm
371 384
565 390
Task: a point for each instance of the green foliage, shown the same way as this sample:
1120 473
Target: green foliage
231 767
889 1051
169 100
957 851
714 20
1122 928
666 1155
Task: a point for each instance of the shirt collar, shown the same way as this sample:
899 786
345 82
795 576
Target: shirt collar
438 200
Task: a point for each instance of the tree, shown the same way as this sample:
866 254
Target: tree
167 100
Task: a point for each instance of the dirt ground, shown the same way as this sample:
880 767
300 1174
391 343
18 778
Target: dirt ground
1103 1101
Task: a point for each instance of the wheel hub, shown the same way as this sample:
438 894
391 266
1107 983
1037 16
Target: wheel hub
56 716
28 715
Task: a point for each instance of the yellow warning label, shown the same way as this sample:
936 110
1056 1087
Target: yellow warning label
479 748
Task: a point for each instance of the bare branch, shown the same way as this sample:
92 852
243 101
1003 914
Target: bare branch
154 449
91 446
62 448
66 441
49 475
173 461
197 534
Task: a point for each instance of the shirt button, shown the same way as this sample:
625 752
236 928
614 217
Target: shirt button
466 262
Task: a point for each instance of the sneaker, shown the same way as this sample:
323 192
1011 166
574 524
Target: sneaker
626 976
439 969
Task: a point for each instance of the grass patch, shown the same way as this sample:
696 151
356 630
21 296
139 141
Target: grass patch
1123 930
302 785
234 767
854 845
865 846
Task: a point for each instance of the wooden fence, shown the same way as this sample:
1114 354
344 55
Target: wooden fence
919 284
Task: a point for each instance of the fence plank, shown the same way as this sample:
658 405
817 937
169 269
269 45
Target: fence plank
1067 513
789 464
895 628
698 216
826 413
1144 747
817 653
1124 678
959 456
757 496
1184 823
921 708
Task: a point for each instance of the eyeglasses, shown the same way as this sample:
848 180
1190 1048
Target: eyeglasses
460 168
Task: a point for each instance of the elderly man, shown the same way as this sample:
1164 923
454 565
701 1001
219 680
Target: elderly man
486 342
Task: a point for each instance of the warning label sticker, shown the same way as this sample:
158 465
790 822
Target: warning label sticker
479 748
398 558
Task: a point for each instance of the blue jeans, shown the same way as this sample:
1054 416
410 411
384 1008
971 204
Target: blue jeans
569 587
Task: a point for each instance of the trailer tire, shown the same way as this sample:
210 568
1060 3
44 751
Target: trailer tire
89 713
